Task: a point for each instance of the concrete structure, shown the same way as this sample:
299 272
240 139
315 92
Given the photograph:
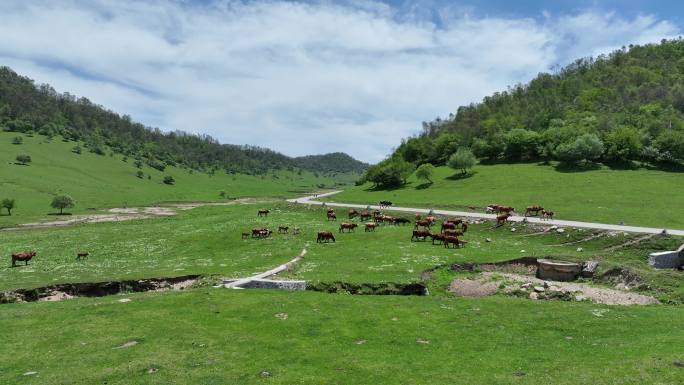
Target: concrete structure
259 280
268 284
667 259
548 269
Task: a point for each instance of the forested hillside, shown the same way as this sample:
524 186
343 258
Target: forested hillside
334 162
29 108
618 108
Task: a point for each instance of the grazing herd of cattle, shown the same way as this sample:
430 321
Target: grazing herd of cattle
450 231
449 235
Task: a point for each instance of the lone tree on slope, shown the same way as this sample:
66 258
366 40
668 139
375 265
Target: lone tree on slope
8 204
62 202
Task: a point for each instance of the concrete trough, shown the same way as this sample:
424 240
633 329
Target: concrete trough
548 269
261 283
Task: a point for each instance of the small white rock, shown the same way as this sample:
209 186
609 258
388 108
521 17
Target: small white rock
580 249
560 231
124 300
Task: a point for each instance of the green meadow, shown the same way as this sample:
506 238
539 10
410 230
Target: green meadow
207 241
212 336
104 181
640 197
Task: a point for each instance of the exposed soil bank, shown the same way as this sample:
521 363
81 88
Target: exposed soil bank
368 288
96 289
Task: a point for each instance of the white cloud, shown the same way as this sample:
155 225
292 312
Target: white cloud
300 78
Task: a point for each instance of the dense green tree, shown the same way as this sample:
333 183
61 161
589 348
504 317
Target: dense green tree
670 144
623 144
521 144
8 204
62 202
425 172
463 159
587 147
389 173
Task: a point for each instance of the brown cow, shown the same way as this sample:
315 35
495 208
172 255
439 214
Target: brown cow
533 209
261 232
431 218
401 221
448 225
25 257
245 235
331 216
454 241
353 214
263 213
505 209
547 214
420 234
365 215
501 219
350 227
331 210
283 229
453 233
325 236
424 223
82 255
418 216
437 237
371 227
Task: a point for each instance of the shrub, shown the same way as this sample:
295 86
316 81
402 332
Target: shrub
169 180
23 159
77 150
17 140
139 174
463 159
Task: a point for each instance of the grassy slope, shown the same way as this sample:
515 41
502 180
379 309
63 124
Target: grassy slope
210 336
207 241
637 197
96 181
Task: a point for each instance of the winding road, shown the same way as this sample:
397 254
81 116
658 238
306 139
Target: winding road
311 200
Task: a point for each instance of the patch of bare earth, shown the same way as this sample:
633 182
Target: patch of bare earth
120 214
464 287
488 283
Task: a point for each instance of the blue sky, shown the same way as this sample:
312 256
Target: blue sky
309 77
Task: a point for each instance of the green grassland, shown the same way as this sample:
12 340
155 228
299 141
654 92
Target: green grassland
640 197
210 336
97 181
208 241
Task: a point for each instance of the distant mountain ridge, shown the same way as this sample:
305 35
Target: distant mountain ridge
29 108
333 162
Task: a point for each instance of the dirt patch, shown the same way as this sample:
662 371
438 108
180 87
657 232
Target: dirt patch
473 288
621 278
535 288
119 214
96 289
